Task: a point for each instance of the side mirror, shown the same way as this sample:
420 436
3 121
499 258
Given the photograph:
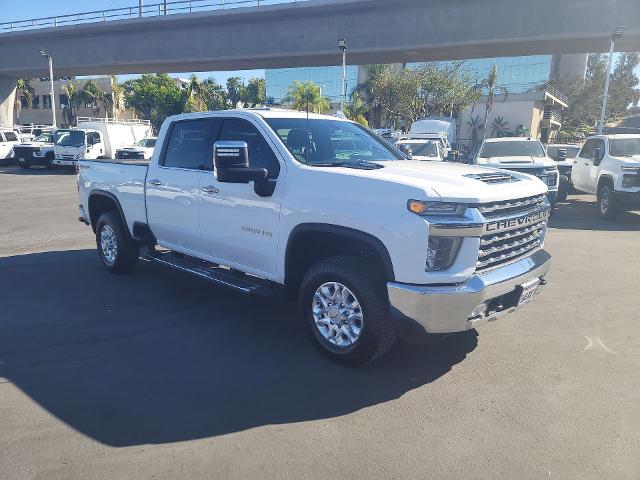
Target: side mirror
597 156
407 150
231 160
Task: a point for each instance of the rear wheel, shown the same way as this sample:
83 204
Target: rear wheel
48 159
607 204
563 189
116 250
346 310
25 165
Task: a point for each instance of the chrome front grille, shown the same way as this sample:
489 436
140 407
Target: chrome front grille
515 229
511 207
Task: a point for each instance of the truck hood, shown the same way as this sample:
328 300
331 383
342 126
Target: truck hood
516 162
451 181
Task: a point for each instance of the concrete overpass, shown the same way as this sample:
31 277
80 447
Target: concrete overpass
306 33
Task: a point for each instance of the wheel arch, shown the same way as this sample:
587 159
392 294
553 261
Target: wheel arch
99 202
605 179
311 242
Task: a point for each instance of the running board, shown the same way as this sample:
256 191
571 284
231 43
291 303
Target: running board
216 274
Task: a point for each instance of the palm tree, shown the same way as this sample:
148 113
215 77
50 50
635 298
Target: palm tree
196 95
23 90
499 127
489 86
357 109
75 99
306 96
92 95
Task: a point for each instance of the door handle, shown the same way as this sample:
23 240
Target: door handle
155 183
210 189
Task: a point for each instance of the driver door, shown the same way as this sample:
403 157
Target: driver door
580 172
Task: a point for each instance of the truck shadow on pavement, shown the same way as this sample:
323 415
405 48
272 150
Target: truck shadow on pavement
160 357
34 171
580 212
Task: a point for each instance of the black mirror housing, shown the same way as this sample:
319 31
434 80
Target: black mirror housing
231 160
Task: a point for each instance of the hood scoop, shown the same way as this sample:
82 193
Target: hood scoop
493 177
362 165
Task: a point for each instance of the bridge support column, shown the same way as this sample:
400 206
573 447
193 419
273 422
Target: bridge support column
7 100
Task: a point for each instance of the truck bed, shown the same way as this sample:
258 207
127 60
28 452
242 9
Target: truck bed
124 179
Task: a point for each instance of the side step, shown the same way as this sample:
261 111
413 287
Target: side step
216 274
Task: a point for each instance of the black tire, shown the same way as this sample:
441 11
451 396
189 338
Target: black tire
48 159
379 331
563 189
125 259
25 165
607 203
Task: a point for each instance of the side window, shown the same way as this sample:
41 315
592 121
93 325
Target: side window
93 138
260 153
587 149
10 137
189 145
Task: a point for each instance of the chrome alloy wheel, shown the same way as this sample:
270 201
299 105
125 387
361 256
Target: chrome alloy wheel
108 244
337 314
604 202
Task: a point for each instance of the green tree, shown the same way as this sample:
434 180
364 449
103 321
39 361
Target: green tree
474 126
376 92
623 90
217 98
154 97
92 95
255 93
306 96
236 91
23 89
490 87
356 109
75 100
195 96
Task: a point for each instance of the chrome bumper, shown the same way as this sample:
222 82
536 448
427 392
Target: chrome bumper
450 308
64 162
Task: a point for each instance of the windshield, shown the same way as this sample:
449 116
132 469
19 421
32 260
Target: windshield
45 138
624 147
426 149
147 143
531 148
70 138
554 151
330 142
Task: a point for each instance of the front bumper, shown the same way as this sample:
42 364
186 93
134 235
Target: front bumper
628 199
450 308
64 162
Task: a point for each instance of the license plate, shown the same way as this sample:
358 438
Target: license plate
529 291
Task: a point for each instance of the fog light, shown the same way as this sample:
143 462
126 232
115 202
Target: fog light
441 252
629 181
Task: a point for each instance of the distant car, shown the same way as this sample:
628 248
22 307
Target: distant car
38 151
8 139
421 149
564 155
143 150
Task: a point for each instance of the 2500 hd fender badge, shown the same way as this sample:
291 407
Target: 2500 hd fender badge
511 223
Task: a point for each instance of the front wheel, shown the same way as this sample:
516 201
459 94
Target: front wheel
346 311
607 203
116 250
25 165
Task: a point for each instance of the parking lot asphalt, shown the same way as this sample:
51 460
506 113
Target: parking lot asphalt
158 375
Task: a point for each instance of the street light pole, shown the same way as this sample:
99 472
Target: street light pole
53 93
617 33
342 45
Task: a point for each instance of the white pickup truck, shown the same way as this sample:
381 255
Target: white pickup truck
609 166
266 201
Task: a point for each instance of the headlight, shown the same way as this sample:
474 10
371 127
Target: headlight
441 252
435 208
629 181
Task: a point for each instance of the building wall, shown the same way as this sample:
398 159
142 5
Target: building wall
39 111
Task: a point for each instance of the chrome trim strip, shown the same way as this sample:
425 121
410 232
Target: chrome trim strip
511 234
507 205
508 257
507 246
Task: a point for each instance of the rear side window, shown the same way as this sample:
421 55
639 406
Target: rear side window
10 136
260 153
189 145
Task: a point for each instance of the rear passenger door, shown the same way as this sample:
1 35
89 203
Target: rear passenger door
173 185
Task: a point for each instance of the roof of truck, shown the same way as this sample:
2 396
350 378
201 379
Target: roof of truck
510 139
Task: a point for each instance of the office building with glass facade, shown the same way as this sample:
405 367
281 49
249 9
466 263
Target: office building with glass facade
278 80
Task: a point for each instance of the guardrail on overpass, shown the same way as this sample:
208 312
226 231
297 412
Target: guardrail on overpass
137 11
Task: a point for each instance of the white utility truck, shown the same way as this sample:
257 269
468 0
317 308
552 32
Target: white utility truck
421 149
38 151
609 166
8 140
266 201
524 155
97 138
